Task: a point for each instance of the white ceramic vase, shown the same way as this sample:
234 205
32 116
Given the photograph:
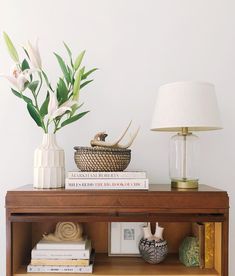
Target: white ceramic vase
49 164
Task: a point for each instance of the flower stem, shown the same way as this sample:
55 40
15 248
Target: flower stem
40 83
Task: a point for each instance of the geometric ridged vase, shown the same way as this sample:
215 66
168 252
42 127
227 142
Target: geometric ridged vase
49 164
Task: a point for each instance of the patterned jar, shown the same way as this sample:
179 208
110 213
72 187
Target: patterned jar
153 248
153 251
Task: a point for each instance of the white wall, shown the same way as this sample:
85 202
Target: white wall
138 45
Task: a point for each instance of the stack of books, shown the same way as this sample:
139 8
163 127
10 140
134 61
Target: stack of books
126 180
67 257
205 233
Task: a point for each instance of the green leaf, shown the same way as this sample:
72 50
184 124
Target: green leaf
11 48
26 52
82 71
62 91
85 83
74 118
74 108
24 65
33 85
63 68
76 86
71 74
20 95
78 60
69 53
68 49
44 107
34 114
46 80
84 76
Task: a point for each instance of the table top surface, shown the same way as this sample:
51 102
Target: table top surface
157 197
152 188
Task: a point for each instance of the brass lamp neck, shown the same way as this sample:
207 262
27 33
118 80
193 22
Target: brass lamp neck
185 131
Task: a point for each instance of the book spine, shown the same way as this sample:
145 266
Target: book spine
60 254
102 184
60 262
107 175
57 246
202 245
65 269
199 232
209 244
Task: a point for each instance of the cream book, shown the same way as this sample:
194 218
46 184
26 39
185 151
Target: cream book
107 175
79 245
56 262
62 254
107 184
59 269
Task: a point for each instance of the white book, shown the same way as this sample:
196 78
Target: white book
65 254
107 184
61 262
80 245
116 175
60 269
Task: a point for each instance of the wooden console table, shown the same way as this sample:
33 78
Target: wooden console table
30 213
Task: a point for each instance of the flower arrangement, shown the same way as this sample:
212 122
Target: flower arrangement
60 105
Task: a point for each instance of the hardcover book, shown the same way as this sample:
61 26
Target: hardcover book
199 233
43 244
108 175
107 184
64 254
60 269
58 262
209 244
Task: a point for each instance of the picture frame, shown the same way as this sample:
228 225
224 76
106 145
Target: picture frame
124 238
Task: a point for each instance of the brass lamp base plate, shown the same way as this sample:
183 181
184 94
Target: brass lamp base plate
184 184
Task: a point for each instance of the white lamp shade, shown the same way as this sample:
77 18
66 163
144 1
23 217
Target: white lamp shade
186 104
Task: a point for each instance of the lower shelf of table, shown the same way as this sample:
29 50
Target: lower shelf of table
120 266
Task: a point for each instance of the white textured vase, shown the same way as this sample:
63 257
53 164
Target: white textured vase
49 164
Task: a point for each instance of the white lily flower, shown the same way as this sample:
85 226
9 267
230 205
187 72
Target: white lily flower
34 54
53 107
18 78
60 111
53 104
69 103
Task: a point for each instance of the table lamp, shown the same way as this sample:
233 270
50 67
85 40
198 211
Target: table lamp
184 107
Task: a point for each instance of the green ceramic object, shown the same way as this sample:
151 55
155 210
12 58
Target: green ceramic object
189 252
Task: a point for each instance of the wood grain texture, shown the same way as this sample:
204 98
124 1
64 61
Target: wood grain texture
158 199
118 266
39 210
21 244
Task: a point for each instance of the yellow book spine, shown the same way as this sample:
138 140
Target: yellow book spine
209 244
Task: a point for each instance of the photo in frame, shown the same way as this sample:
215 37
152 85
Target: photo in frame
124 238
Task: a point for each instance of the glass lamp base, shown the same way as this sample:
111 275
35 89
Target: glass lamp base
184 184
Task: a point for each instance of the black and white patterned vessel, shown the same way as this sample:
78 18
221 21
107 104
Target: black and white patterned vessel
153 251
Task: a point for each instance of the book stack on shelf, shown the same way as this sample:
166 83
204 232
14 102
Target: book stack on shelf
67 257
205 233
125 180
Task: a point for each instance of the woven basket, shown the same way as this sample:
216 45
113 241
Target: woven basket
101 159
